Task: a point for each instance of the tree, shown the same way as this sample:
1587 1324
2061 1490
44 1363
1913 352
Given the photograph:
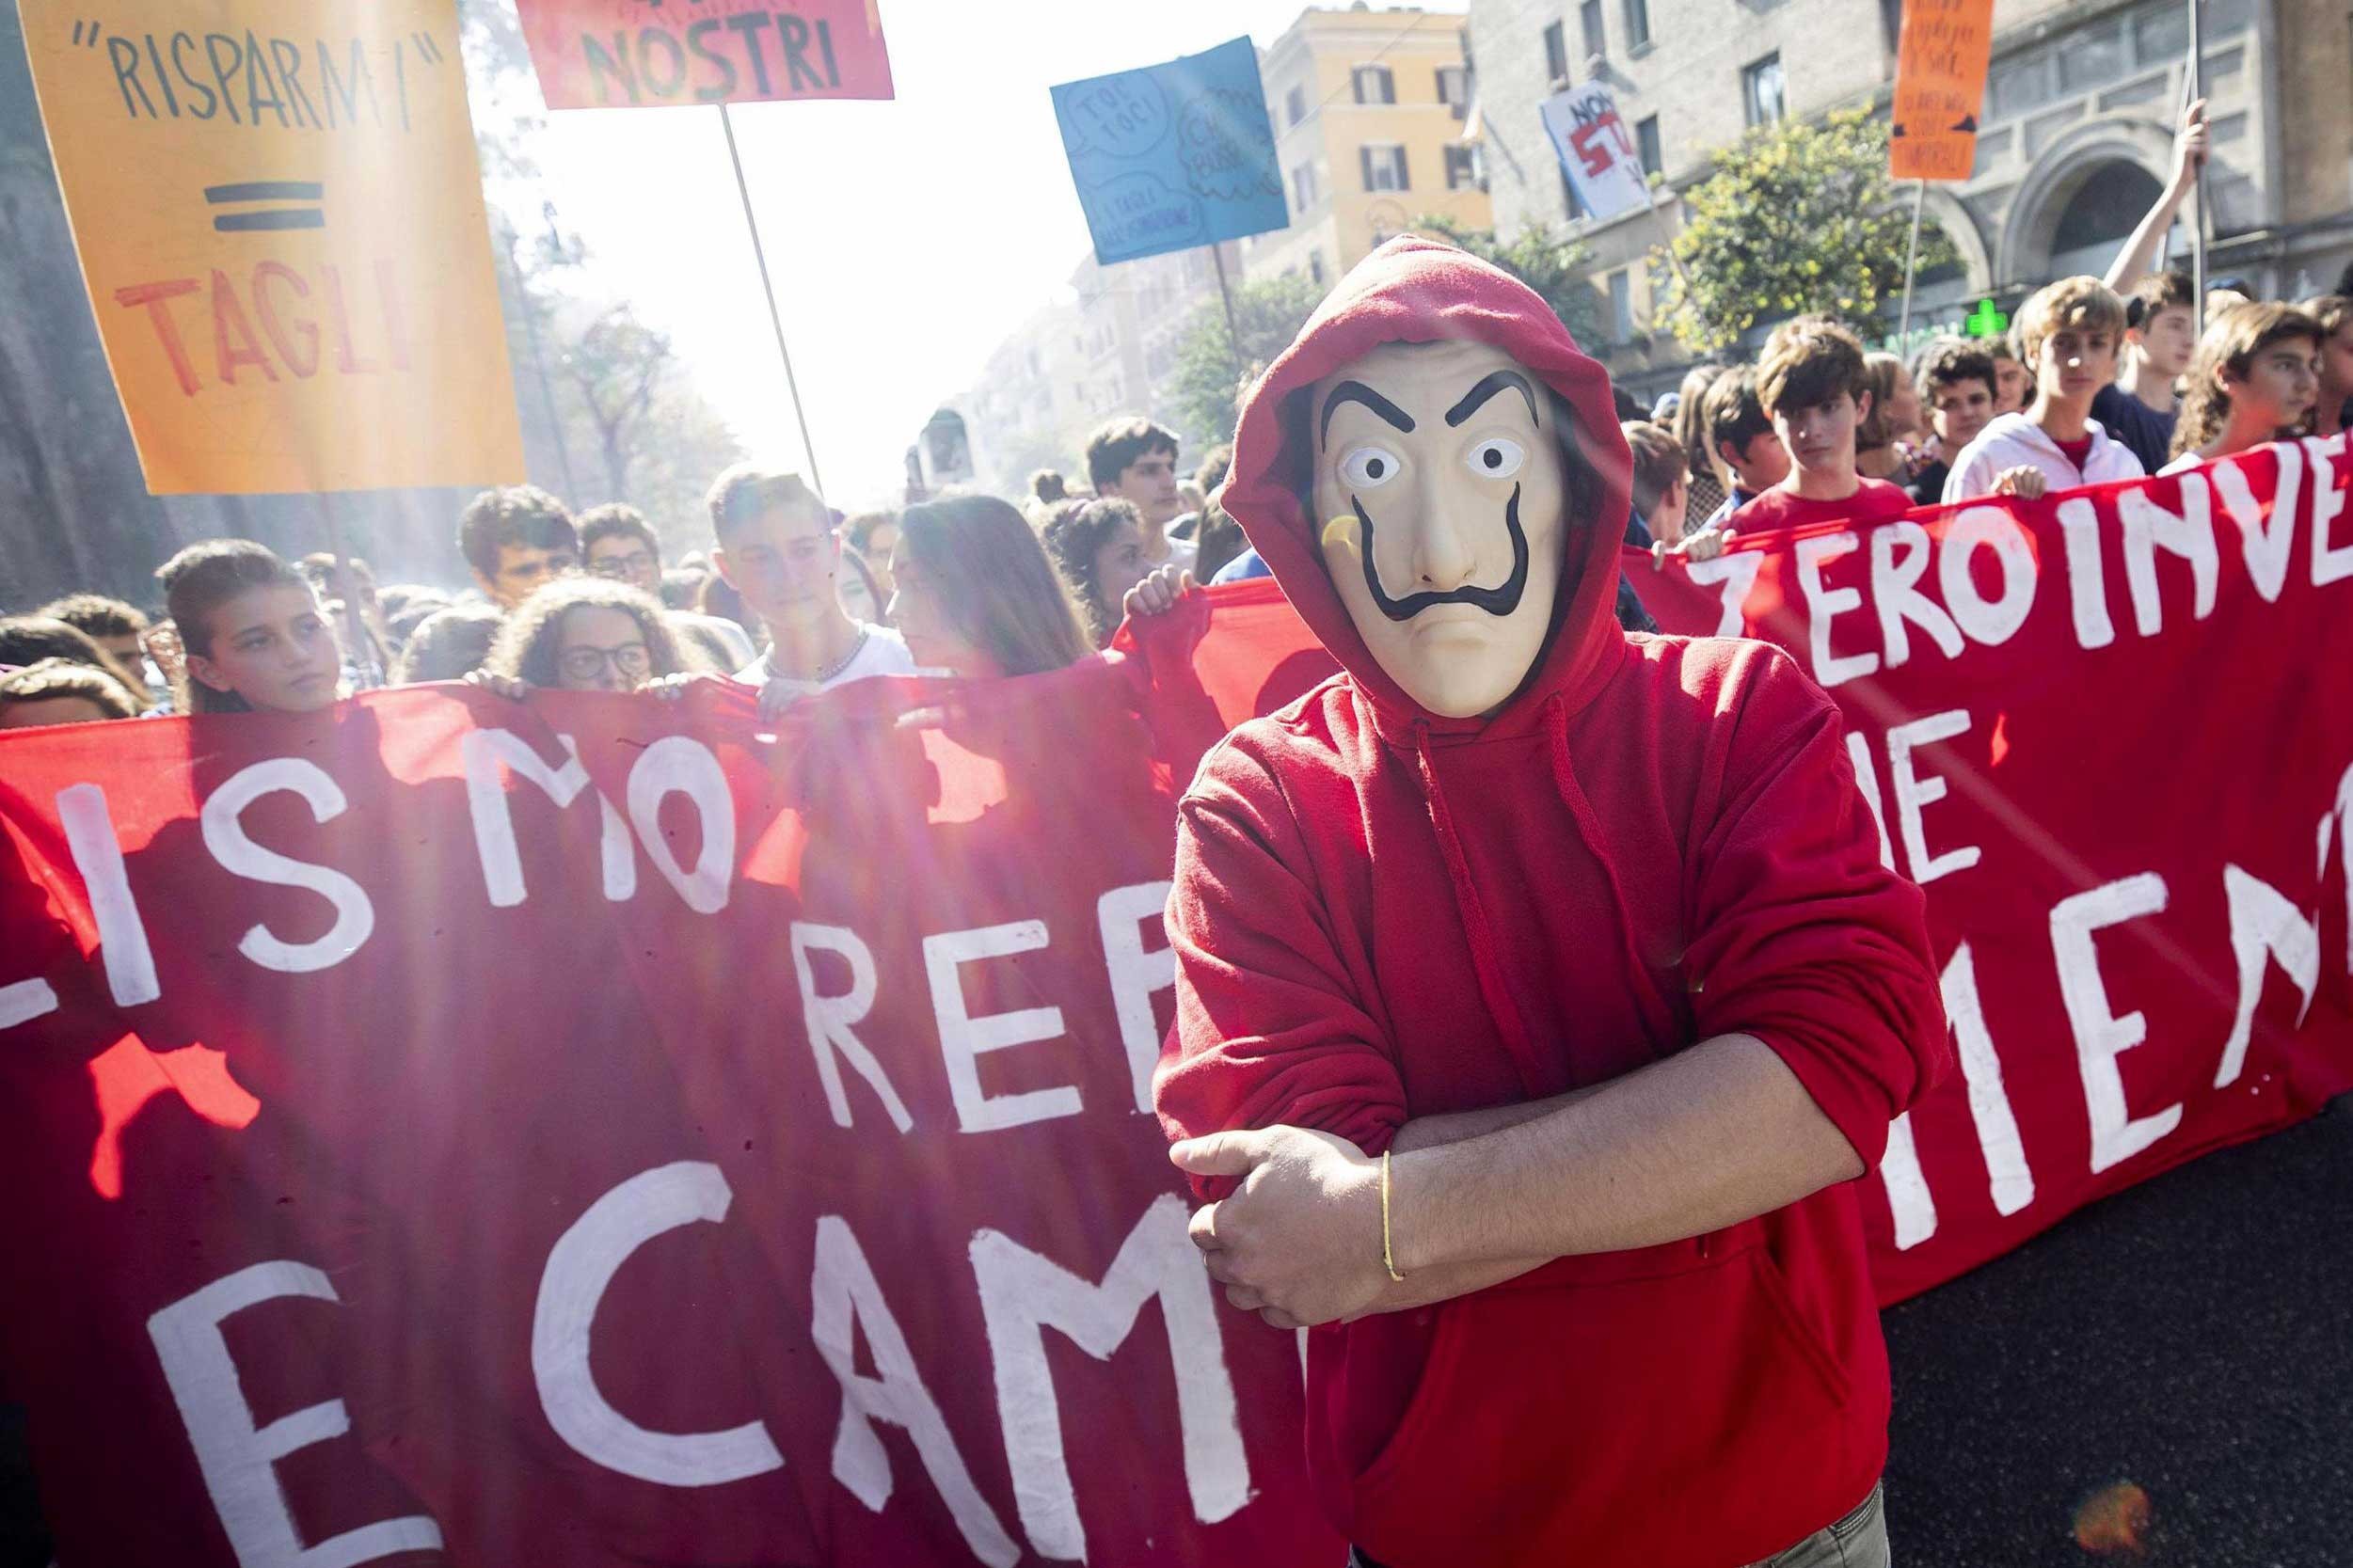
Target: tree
1551 264
1209 375
617 364
1797 219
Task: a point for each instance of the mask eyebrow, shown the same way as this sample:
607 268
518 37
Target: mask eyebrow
1357 391
1490 384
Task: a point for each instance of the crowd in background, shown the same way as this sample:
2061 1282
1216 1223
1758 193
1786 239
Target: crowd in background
790 596
2098 379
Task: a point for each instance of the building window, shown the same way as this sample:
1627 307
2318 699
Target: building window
1621 306
1462 168
1315 265
1589 19
1555 53
1294 106
1764 91
1453 89
1647 137
1374 85
1303 193
1384 169
1637 23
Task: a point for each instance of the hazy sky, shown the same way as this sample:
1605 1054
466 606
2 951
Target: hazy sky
906 238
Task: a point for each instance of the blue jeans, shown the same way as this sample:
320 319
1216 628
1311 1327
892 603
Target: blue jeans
1858 1541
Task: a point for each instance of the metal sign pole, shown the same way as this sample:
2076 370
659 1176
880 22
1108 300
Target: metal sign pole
1233 324
775 319
1911 261
2198 224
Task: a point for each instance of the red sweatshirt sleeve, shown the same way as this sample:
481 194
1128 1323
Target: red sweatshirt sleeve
1801 937
1268 1028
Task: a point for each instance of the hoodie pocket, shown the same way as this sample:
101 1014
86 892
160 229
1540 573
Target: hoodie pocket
1690 1417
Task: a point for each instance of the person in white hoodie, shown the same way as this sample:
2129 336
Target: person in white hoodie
2069 333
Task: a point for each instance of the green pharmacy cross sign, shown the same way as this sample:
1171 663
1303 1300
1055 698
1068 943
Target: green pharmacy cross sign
1986 322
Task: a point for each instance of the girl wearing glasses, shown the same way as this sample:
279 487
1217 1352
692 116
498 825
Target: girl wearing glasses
585 634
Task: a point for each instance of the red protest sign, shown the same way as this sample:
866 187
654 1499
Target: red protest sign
642 53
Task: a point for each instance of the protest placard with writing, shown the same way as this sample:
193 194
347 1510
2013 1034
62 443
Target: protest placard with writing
279 218
1595 147
1941 59
1173 155
640 53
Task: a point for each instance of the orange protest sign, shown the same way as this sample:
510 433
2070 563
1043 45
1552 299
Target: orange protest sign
1940 84
280 219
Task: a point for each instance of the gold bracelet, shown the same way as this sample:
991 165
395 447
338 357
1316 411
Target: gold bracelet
1389 1256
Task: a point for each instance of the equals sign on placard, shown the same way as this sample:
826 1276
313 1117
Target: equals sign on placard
282 216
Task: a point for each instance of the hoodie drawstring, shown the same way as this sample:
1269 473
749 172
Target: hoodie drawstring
1589 829
1484 960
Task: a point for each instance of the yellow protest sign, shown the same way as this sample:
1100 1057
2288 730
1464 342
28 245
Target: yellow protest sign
279 218
1941 59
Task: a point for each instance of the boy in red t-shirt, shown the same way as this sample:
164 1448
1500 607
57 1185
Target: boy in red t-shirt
1816 390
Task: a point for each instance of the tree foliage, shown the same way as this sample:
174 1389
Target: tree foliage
1547 260
1797 218
1209 374
609 411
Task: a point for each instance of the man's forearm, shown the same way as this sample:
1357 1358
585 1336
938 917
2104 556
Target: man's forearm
1444 1282
1453 1127
1704 1139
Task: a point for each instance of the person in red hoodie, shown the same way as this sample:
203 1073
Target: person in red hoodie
1540 990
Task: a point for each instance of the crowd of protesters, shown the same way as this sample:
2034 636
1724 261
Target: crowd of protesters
789 597
2097 379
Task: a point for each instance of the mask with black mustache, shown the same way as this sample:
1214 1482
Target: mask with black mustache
1420 451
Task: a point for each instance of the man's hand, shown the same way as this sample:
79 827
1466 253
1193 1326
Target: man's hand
2025 482
1299 1241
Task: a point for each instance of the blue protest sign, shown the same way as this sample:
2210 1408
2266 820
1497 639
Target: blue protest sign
1173 156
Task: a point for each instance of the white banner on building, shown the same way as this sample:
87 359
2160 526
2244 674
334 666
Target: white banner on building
1597 149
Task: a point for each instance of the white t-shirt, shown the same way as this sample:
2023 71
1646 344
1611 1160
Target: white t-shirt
882 652
1184 552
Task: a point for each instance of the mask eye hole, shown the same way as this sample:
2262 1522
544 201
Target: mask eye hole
1496 458
1369 467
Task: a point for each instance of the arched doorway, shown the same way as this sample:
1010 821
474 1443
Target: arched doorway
2097 181
2094 223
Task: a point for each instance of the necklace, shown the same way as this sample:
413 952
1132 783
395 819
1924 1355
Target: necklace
827 672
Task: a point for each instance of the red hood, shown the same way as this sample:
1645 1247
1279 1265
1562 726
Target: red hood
1419 291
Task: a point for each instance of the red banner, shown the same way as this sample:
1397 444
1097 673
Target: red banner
640 53
2110 733
594 1131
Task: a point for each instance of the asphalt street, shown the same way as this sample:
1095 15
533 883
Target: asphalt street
2191 1338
